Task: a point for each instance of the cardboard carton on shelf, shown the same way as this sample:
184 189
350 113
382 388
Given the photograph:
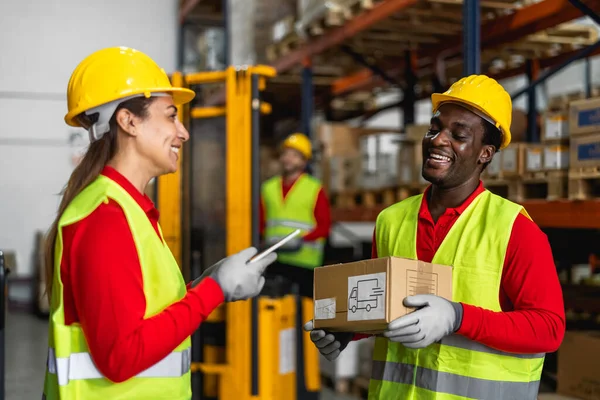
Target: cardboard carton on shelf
364 296
584 116
555 126
337 139
585 151
512 160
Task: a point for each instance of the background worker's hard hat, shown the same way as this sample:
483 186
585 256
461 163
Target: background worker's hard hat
117 73
483 94
300 142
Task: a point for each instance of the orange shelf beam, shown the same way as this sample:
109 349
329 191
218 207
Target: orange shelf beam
358 24
526 21
547 214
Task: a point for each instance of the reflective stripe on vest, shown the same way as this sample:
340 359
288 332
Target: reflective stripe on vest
457 385
296 211
81 366
290 224
475 246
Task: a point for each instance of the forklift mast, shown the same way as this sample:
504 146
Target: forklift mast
245 349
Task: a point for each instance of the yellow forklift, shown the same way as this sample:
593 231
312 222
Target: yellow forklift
253 349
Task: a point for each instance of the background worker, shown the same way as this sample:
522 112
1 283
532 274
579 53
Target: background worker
507 308
294 200
121 315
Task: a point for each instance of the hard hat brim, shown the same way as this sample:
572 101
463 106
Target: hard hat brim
180 96
437 99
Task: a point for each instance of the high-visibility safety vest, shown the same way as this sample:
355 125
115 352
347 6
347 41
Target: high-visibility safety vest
456 367
71 373
296 211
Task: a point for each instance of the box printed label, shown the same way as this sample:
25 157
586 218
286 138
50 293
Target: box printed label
366 297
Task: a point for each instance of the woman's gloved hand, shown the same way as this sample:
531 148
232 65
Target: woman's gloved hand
238 280
329 344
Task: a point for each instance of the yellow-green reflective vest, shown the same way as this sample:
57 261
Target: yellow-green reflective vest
296 211
71 373
456 367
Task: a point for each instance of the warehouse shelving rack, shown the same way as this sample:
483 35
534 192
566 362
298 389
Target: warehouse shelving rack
493 33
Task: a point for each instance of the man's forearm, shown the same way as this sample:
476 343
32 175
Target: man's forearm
523 331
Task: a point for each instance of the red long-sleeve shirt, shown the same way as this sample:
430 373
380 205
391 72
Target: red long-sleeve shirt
533 317
104 292
322 213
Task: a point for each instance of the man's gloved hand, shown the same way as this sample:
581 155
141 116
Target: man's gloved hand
435 319
329 345
238 280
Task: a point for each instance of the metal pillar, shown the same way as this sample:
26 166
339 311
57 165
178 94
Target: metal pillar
2 324
410 97
225 12
532 70
255 183
471 37
588 78
307 98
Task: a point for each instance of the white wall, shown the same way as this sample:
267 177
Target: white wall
41 42
568 80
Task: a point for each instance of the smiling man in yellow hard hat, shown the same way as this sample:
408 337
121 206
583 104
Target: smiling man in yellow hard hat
507 310
294 200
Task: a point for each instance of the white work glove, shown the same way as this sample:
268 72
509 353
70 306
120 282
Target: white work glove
329 345
435 318
238 280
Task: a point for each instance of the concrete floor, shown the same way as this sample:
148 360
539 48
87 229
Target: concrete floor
26 349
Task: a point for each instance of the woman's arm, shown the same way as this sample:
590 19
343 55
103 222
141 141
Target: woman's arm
108 293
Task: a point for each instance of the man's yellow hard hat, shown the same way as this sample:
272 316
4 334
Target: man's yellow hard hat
300 142
117 73
484 94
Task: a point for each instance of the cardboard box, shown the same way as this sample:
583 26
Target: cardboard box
556 157
555 126
335 139
365 296
585 151
534 158
512 160
343 173
379 167
584 116
495 166
579 365
410 163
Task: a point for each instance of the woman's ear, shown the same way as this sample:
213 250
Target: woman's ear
126 121
487 153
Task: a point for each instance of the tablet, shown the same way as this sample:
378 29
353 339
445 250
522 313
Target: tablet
274 247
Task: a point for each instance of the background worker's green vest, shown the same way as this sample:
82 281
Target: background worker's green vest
71 373
456 368
296 211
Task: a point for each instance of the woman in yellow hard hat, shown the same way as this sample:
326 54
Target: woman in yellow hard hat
121 315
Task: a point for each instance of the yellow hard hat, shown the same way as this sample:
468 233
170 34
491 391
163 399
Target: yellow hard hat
117 73
300 142
484 94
